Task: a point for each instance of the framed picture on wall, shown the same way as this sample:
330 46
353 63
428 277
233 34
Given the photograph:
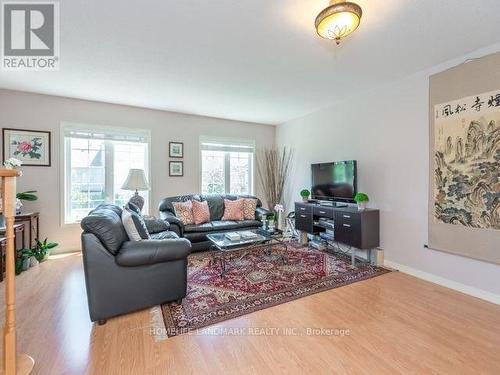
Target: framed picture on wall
32 147
176 169
176 149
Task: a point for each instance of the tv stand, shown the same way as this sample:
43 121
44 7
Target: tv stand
358 229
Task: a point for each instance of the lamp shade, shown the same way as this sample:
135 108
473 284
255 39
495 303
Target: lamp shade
136 180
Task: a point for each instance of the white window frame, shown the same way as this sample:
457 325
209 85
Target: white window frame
65 167
226 144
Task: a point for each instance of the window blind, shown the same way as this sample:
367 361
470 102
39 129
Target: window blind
226 144
105 133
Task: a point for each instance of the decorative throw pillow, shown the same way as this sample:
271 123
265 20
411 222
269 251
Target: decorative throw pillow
201 213
155 225
249 207
233 210
134 225
184 211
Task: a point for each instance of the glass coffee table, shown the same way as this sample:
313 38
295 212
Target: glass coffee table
223 248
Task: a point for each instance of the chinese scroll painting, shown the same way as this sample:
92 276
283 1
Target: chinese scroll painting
467 161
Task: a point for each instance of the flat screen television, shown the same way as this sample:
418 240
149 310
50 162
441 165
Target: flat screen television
335 181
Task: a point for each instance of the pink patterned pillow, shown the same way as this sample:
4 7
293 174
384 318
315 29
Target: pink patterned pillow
249 207
184 211
233 210
201 213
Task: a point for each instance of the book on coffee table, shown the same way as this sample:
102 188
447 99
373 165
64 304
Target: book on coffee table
248 234
233 236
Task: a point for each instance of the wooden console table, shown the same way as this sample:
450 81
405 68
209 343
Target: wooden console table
32 222
18 241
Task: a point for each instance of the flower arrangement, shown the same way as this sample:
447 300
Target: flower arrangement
12 163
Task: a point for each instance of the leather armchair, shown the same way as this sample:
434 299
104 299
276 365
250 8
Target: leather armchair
122 276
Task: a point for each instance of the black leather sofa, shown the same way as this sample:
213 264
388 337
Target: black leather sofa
197 234
122 276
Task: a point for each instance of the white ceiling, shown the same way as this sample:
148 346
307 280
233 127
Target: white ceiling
250 60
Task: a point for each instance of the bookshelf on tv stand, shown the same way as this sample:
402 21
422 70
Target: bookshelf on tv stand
352 227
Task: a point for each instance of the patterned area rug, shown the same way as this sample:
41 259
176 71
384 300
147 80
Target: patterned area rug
257 281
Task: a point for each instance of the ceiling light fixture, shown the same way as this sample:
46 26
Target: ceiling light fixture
338 20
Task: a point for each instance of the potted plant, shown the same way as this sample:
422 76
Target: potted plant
305 195
23 262
42 249
361 199
25 196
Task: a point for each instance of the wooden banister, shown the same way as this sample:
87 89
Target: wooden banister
12 364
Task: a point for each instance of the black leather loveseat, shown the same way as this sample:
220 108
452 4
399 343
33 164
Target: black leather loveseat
197 234
122 276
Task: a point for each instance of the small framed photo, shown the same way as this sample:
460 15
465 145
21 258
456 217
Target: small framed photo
176 149
176 169
32 147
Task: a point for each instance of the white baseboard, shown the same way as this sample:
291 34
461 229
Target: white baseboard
475 292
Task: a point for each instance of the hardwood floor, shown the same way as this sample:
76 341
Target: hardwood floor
397 324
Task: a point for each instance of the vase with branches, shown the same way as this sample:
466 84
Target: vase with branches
273 168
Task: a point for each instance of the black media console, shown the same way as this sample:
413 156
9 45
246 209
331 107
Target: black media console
358 229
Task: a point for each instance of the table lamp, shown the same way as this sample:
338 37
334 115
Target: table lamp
136 180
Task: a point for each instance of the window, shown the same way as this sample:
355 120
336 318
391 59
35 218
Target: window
96 164
226 166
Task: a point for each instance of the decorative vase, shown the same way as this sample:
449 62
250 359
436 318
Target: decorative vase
271 224
305 199
19 206
33 261
278 216
45 257
26 264
362 205
303 238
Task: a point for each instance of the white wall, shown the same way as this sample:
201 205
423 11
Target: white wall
387 131
43 112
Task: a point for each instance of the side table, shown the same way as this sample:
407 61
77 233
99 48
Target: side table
18 240
32 221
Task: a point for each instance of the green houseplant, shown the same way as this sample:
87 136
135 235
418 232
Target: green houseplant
361 199
42 249
23 260
27 196
305 195
30 257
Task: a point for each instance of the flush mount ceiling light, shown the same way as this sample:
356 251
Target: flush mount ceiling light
338 20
